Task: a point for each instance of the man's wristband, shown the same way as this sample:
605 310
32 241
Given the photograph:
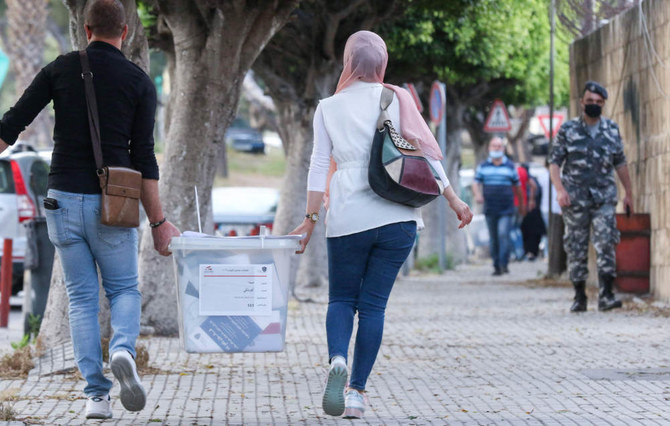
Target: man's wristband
157 224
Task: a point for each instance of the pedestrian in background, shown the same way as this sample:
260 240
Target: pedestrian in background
368 237
533 227
496 183
528 190
127 102
589 149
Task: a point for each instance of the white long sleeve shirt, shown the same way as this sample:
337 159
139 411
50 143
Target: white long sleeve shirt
344 126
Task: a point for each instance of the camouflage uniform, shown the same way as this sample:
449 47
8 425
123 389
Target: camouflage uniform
588 177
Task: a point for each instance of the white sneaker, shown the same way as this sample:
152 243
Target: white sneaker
354 404
333 395
99 407
133 397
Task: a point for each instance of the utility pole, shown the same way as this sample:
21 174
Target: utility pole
552 54
556 264
442 212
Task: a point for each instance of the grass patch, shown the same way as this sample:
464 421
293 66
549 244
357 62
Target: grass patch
7 413
17 364
9 395
272 163
141 358
432 263
546 282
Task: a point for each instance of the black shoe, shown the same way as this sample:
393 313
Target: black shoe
497 272
505 270
580 302
579 305
606 299
607 303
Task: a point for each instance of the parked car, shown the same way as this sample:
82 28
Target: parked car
539 145
23 186
243 138
242 211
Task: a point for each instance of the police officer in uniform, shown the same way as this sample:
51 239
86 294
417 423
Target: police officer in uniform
589 149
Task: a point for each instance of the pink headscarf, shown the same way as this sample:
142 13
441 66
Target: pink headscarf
365 59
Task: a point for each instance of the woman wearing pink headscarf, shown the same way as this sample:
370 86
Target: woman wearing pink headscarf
368 237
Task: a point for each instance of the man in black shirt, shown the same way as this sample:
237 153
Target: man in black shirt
126 103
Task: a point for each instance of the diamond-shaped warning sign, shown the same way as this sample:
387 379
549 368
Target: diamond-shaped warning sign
498 119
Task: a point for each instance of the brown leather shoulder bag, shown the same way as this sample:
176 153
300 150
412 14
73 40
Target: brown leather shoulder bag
121 186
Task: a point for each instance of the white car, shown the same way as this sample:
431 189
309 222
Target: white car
242 211
23 186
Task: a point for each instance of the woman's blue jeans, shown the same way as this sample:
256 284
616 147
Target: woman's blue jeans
362 268
82 243
499 238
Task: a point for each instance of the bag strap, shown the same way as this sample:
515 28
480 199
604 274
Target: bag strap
384 102
92 109
387 98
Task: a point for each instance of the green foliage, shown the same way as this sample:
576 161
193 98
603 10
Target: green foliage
432 263
34 323
146 14
479 41
21 343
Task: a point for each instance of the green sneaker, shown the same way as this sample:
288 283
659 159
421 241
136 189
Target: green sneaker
333 395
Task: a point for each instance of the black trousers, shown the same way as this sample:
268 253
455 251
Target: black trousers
532 230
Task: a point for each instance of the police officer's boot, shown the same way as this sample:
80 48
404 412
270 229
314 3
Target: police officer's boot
579 305
606 299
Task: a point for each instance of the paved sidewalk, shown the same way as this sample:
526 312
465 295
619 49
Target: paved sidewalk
461 348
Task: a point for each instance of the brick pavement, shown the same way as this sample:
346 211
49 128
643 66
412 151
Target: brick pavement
461 348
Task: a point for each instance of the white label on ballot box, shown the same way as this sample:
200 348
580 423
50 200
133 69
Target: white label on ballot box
236 289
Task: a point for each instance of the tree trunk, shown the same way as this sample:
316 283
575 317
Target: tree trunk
520 149
295 122
295 117
429 239
456 239
213 50
55 326
26 21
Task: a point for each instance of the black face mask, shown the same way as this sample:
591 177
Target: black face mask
593 110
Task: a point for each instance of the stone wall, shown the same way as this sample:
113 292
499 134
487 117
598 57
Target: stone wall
630 56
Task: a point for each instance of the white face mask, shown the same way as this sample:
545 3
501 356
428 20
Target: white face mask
496 154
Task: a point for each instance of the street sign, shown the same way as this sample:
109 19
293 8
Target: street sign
498 119
415 95
437 102
544 122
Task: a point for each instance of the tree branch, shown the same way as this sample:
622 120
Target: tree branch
333 24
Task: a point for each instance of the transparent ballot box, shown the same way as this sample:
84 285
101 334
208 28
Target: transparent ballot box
232 292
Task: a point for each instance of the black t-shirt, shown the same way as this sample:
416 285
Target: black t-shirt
126 100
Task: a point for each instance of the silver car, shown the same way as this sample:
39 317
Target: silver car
23 186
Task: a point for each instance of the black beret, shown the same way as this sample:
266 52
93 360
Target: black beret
595 87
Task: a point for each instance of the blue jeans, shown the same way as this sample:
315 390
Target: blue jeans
82 242
499 238
362 268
